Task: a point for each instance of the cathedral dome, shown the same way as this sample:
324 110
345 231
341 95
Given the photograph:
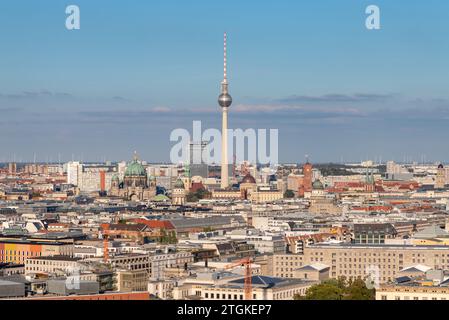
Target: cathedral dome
179 184
135 169
317 185
248 179
441 166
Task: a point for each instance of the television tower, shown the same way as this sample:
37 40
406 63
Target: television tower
225 101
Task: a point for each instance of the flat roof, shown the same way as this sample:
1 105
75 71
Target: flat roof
31 241
377 246
56 258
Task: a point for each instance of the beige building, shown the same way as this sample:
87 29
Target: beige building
52 265
264 196
315 272
179 193
358 261
228 286
162 289
131 280
422 292
321 202
249 191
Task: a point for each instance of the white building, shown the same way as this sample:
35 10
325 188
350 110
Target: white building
72 172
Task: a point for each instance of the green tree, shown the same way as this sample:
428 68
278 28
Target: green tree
357 290
198 195
289 194
191 197
338 289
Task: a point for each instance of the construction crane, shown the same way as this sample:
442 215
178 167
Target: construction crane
105 234
246 262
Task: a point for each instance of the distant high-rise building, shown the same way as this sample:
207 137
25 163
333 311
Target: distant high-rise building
12 168
197 162
72 172
196 152
440 180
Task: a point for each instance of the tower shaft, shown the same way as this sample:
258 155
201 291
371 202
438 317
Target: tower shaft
224 150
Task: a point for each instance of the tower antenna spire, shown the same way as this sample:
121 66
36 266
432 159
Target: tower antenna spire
225 71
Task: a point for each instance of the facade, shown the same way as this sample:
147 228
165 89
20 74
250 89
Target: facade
161 261
52 265
248 190
357 261
373 233
429 285
59 287
225 286
403 292
131 280
315 272
262 243
320 202
163 289
265 196
179 193
18 251
72 172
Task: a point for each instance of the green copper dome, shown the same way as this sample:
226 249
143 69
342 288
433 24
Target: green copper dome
179 184
317 185
135 169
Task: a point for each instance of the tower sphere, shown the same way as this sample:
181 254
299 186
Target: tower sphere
224 100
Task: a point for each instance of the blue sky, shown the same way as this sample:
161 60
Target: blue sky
136 70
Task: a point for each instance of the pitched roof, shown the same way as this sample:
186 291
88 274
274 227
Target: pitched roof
156 224
261 281
315 266
416 268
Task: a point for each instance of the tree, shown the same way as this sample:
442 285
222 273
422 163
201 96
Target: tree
328 290
191 197
357 290
198 195
207 229
289 194
339 289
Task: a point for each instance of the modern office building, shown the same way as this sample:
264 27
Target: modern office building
18 250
